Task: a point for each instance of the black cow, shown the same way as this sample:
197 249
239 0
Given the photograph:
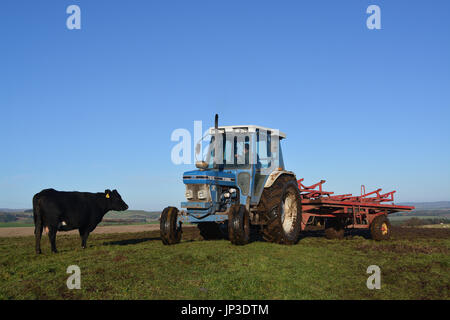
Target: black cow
64 211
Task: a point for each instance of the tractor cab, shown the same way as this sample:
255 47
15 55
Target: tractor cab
234 166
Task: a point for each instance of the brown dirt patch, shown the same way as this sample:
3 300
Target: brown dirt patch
29 231
416 233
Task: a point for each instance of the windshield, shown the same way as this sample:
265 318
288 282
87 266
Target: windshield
228 151
232 150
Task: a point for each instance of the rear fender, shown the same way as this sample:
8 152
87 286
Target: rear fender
275 175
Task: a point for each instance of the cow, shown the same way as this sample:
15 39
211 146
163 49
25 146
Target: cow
63 211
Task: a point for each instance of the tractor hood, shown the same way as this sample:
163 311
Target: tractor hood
210 177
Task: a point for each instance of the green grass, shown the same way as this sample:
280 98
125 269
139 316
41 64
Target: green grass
15 224
139 266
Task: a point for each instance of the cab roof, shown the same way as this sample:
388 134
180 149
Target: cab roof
247 128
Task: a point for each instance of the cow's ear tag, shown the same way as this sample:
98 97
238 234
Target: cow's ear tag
107 196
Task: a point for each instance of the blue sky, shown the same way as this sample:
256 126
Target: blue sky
94 108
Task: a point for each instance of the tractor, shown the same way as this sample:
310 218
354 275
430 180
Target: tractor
240 185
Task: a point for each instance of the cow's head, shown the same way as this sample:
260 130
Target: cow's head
115 200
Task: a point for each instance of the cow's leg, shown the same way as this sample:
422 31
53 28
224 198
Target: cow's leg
52 236
84 234
38 234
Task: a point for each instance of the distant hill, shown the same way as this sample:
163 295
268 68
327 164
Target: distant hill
436 209
428 205
133 214
6 210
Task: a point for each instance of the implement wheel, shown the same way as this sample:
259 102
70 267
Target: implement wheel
239 226
380 228
169 230
334 229
282 204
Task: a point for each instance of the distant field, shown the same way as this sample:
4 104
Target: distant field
432 226
415 264
21 218
403 218
425 212
15 224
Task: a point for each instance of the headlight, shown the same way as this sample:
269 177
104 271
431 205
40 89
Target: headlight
202 194
198 192
189 194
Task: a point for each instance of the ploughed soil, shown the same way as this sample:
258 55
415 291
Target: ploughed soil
397 233
414 233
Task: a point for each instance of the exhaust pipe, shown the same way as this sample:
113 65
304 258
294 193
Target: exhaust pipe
216 122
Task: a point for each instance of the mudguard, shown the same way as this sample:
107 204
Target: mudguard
274 176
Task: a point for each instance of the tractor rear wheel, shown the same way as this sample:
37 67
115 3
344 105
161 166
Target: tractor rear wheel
169 230
380 228
210 230
239 226
283 207
334 229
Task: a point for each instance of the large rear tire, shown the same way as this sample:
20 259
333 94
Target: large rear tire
334 229
380 228
239 226
170 231
283 207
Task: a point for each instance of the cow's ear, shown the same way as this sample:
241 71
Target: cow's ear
107 192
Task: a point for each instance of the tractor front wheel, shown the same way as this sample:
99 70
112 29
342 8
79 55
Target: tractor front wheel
170 231
380 228
239 226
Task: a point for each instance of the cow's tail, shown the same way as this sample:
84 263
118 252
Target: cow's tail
38 223
36 210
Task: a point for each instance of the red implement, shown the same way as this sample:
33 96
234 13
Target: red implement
357 211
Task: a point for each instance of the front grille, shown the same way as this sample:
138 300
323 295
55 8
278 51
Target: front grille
195 188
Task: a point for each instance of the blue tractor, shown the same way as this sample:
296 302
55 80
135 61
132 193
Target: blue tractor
240 186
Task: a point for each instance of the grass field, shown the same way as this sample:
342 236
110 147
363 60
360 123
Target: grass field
415 264
15 224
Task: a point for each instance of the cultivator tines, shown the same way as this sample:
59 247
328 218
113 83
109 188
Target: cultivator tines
311 191
377 198
316 191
